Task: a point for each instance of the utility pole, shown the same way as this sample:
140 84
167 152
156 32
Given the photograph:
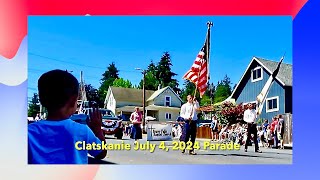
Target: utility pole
144 99
144 102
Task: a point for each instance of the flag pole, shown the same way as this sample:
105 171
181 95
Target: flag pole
209 24
265 90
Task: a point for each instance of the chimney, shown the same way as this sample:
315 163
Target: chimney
159 86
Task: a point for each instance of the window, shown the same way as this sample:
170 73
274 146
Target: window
168 115
167 101
272 104
256 74
110 100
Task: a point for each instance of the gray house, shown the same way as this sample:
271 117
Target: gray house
279 98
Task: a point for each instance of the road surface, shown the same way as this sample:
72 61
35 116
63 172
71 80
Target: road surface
159 156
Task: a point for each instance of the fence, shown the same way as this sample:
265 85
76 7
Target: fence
204 132
287 136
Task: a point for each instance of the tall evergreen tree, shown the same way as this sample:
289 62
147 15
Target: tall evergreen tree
108 77
111 72
164 73
151 81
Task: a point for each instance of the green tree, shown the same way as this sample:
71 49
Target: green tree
152 68
188 89
151 82
108 77
223 90
34 106
111 73
164 73
208 95
122 83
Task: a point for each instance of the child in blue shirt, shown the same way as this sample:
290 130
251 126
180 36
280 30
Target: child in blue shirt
54 140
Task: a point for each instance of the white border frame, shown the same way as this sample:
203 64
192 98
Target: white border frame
258 79
275 109
165 100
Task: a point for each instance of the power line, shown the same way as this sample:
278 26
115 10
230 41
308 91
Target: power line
77 64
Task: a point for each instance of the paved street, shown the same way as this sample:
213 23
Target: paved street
159 156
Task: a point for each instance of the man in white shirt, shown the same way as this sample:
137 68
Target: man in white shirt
250 116
189 113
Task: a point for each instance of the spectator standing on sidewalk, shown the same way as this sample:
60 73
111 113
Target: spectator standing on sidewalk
136 119
281 130
274 128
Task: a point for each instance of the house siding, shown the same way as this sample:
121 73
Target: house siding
160 100
249 90
162 115
111 103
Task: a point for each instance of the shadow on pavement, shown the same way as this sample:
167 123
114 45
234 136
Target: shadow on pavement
98 161
243 155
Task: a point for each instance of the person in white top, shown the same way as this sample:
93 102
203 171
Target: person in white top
189 114
250 116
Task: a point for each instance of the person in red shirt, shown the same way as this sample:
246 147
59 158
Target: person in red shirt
274 127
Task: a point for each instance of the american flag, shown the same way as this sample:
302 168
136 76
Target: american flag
199 73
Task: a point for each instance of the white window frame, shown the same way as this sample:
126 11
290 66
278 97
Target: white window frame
167 116
165 101
258 79
274 109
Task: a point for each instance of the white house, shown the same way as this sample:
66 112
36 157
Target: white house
163 104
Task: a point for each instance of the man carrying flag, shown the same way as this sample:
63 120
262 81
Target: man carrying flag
199 75
250 115
189 114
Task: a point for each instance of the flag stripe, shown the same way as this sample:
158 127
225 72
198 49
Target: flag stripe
198 74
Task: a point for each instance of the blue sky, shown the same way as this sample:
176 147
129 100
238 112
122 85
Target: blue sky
91 43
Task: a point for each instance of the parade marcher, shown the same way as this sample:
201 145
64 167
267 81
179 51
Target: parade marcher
250 116
136 119
189 113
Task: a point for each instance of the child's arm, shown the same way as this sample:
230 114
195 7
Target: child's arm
95 125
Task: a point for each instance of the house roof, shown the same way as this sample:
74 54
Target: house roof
158 92
129 94
285 72
284 76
